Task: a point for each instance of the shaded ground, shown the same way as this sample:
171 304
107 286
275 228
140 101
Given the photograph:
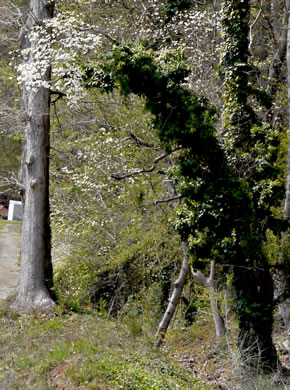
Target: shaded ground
10 235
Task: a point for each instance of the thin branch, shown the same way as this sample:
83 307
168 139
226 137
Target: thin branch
11 181
125 5
4 192
10 14
253 24
242 266
106 35
59 95
143 144
120 176
168 200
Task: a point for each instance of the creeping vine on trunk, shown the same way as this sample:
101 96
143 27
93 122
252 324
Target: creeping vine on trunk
225 205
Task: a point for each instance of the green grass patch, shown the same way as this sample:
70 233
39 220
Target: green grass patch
2 223
84 351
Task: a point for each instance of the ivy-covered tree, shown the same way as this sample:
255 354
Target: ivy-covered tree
251 147
219 216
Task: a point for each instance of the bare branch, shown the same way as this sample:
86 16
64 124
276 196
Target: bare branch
168 200
11 181
105 34
252 25
59 95
143 144
10 15
120 176
242 266
4 192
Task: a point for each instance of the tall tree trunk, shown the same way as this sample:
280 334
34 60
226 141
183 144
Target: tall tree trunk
35 268
255 306
283 274
252 279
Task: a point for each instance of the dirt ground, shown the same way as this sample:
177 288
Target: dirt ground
10 236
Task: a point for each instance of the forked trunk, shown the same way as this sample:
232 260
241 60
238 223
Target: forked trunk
210 284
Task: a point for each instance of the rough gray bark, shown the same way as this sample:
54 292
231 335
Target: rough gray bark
35 266
210 283
174 300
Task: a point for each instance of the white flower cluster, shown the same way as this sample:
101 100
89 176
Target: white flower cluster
58 45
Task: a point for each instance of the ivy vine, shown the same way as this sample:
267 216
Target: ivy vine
230 184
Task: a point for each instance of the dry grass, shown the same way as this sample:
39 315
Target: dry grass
217 362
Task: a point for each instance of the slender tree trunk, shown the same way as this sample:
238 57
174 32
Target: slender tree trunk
210 283
174 300
35 268
220 329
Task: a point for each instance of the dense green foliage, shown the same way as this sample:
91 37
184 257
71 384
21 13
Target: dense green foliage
252 149
111 236
184 121
229 182
219 216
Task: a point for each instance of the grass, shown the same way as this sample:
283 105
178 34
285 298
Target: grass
88 351
83 351
4 222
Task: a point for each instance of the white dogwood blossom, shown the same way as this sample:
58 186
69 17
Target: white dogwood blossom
58 45
71 39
